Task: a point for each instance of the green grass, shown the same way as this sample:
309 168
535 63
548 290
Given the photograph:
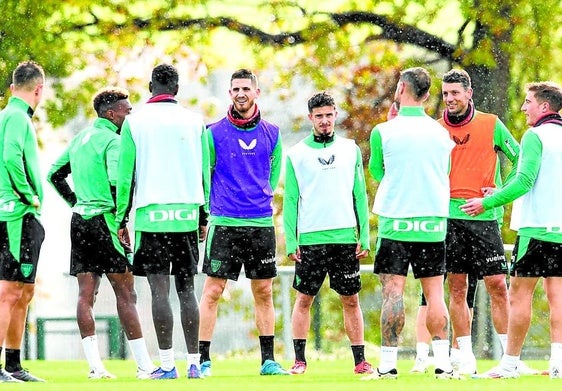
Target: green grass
242 375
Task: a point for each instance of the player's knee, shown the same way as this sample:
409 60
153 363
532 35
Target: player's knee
304 301
497 287
11 296
212 293
350 301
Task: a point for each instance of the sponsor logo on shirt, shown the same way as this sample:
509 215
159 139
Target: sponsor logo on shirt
327 163
156 216
461 141
418 226
84 210
248 149
7 206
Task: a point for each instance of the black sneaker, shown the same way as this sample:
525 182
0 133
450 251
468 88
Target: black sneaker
5 377
443 375
25 376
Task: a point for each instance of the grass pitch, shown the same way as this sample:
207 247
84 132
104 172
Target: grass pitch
243 375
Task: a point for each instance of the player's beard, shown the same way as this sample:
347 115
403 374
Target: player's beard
458 109
243 108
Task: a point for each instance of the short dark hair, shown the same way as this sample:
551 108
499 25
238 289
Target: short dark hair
106 98
165 77
27 75
245 74
546 91
320 99
458 76
418 80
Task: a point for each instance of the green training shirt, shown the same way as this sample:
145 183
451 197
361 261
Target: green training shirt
92 158
524 180
20 178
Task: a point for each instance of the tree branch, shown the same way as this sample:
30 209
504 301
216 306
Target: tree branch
390 31
398 33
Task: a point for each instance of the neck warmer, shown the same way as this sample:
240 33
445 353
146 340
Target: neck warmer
237 120
459 120
163 98
324 138
551 118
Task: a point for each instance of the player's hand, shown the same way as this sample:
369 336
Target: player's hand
296 256
202 233
392 112
123 235
488 191
35 202
360 254
473 206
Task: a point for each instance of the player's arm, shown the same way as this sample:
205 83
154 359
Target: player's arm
361 203
276 159
206 154
376 163
527 172
16 131
290 208
206 167
112 164
125 175
505 142
57 175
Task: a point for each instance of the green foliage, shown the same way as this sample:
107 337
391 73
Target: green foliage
304 39
26 33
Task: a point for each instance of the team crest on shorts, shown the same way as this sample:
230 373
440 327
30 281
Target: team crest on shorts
297 280
26 269
215 265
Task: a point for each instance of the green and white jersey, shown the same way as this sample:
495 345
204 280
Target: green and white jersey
325 198
20 178
538 213
410 157
92 159
164 165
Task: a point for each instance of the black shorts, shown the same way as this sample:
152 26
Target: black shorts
470 291
394 257
95 247
475 248
336 260
536 258
228 248
24 238
175 253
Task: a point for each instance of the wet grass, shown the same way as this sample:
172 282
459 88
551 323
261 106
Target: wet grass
243 375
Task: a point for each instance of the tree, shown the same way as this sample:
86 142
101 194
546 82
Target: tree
500 43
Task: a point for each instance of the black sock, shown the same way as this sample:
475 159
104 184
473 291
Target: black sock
13 360
358 353
204 350
299 345
266 346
